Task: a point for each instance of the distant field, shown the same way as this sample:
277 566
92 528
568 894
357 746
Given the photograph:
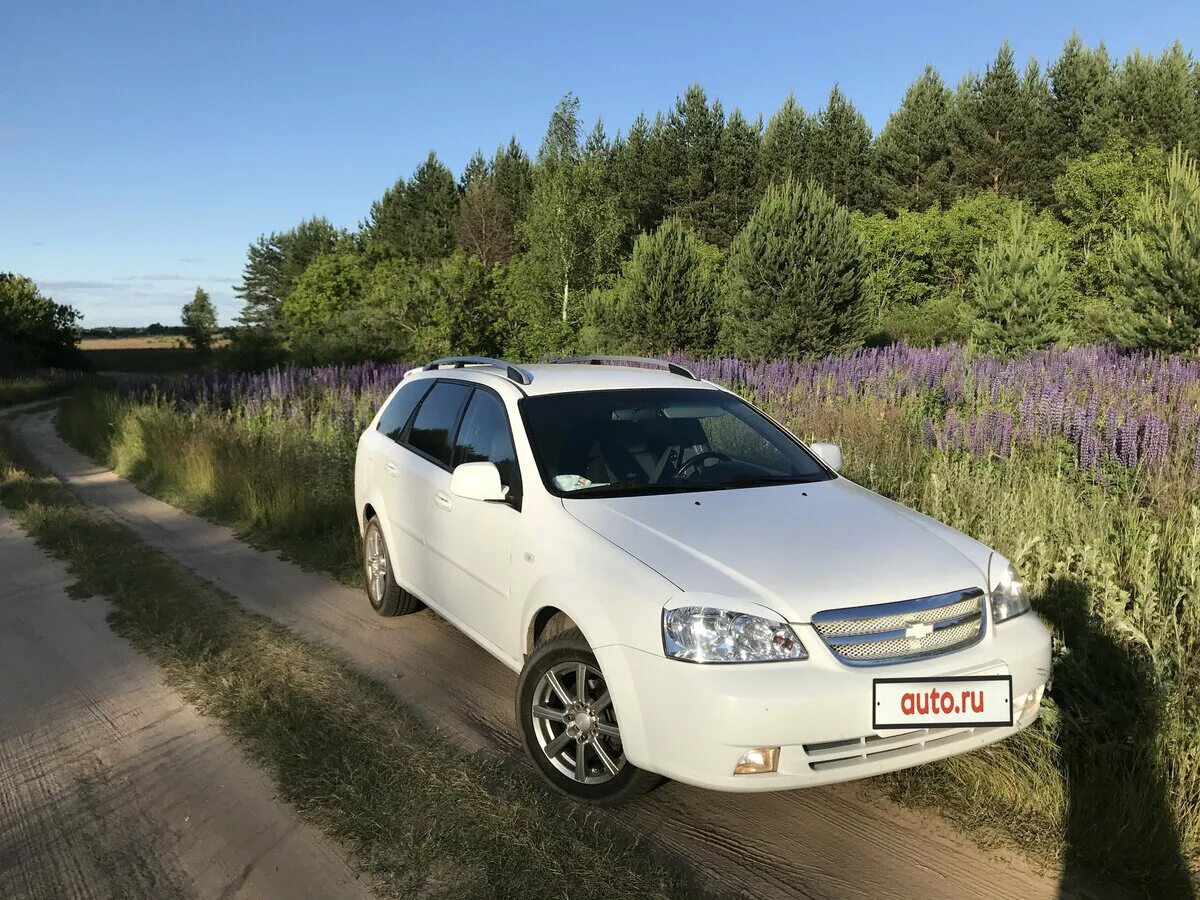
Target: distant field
145 353
140 342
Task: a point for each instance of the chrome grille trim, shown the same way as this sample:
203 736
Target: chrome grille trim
875 635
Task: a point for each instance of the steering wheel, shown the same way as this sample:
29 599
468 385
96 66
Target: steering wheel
693 462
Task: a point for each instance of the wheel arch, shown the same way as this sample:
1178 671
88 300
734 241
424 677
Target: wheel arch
541 620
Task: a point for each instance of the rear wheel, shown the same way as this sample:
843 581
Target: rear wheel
386 596
570 728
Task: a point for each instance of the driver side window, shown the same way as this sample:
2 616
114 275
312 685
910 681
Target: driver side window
484 436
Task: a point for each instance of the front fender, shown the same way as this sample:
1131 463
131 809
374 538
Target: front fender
615 600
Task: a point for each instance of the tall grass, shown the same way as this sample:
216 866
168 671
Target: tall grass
1108 539
27 388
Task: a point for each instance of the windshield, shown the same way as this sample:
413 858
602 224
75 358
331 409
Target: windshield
610 443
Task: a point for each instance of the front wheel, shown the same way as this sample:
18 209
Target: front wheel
569 726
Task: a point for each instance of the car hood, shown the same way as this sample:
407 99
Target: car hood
796 549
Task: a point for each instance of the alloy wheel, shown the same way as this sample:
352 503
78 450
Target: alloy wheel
377 567
574 723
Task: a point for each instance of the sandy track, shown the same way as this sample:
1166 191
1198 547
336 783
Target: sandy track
110 784
834 842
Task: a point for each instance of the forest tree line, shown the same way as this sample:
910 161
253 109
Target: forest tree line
1022 208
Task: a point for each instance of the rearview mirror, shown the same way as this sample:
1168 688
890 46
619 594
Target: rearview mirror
477 481
830 454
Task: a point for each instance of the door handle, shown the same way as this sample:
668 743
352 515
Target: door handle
442 499
392 470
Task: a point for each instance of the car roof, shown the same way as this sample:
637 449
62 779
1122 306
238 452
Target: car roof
567 378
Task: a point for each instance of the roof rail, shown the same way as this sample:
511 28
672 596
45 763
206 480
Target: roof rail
673 368
514 373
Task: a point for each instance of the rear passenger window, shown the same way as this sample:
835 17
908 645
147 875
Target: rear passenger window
397 413
436 419
485 437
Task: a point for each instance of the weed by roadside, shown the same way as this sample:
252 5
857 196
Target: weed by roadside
17 389
423 818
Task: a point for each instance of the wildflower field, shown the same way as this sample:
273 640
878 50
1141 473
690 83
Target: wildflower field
1082 466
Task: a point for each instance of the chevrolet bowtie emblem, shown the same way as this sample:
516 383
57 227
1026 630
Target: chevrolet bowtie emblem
917 630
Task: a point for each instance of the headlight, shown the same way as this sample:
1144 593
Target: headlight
703 634
1009 599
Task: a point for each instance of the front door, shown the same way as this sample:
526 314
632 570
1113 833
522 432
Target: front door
473 540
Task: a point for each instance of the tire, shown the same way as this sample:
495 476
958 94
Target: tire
554 740
386 596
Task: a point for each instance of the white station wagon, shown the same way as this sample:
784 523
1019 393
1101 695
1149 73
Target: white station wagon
685 588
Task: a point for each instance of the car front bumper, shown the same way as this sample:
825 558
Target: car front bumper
694 722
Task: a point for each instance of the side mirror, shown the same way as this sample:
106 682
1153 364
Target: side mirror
477 481
830 454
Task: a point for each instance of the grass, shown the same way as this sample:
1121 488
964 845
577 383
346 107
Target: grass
422 818
276 487
39 386
1108 780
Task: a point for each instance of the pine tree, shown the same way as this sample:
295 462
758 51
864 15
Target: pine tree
737 166
842 163
1038 151
413 219
640 177
1158 259
787 145
667 294
512 174
694 131
476 168
989 147
1158 100
913 151
1082 100
597 144
1017 290
200 321
274 263
794 277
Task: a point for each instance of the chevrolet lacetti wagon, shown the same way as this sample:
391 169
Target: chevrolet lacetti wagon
685 588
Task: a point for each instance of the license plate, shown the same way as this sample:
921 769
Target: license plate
963 702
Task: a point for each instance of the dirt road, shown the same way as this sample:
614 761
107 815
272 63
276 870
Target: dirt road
110 784
836 842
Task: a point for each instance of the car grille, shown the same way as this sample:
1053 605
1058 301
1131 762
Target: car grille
909 629
874 748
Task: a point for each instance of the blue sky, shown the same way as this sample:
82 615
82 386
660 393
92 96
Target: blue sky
144 145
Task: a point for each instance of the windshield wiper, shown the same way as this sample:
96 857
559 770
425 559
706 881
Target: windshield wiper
627 487
753 480
619 486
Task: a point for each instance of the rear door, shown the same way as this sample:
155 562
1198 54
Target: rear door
383 470
423 486
473 540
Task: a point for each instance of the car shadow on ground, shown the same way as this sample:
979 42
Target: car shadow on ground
1111 712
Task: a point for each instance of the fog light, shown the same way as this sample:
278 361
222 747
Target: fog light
1033 704
758 761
